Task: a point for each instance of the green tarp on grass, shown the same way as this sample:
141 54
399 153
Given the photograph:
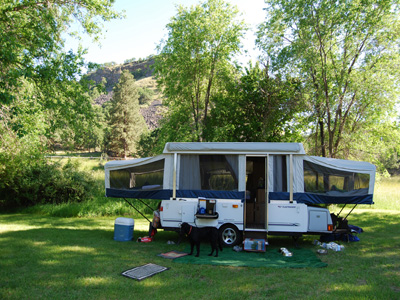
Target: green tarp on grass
272 258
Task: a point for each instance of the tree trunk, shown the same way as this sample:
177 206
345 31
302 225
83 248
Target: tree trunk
322 138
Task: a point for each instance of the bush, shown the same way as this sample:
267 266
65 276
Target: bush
27 178
139 73
43 182
145 94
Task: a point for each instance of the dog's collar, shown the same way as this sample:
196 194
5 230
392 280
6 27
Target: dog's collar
190 230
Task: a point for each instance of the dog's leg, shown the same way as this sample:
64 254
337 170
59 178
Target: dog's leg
191 248
212 250
216 241
181 235
214 246
198 249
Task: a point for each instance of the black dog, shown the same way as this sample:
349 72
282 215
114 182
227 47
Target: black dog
196 235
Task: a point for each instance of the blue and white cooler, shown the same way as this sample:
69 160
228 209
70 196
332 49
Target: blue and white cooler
123 229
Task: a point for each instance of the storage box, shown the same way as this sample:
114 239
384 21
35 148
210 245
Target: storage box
123 229
256 245
206 206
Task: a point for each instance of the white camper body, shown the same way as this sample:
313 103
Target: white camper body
242 188
283 218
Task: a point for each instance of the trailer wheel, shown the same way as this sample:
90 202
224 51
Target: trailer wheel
229 235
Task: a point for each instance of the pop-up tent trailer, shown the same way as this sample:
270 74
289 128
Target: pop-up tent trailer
264 188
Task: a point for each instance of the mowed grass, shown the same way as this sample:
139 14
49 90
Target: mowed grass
45 255
76 258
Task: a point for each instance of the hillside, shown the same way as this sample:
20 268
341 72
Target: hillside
142 70
139 69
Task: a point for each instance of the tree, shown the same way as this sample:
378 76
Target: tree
379 144
200 45
347 56
257 108
127 123
40 95
35 71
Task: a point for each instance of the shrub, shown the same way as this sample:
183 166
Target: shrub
46 182
145 94
27 178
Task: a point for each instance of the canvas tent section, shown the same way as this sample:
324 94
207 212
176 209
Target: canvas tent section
209 176
336 181
143 178
211 170
220 171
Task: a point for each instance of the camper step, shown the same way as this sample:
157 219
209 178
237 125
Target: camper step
255 230
255 235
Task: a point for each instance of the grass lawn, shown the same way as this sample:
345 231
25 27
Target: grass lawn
77 258
47 254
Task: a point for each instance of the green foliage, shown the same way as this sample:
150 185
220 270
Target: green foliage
200 45
96 204
379 145
28 179
257 108
31 38
38 79
126 121
151 143
346 54
145 95
94 90
139 73
41 100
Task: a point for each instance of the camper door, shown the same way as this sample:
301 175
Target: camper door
256 196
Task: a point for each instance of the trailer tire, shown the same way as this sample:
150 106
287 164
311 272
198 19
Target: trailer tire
229 235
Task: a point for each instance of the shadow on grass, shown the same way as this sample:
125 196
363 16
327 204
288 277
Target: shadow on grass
65 261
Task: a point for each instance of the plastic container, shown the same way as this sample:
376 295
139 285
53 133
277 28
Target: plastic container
123 229
256 245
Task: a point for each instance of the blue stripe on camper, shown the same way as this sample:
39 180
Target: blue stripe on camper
309 198
155 194
166 194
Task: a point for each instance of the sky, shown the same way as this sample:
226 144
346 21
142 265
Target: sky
137 35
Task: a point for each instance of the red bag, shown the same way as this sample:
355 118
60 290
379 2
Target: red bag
145 239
